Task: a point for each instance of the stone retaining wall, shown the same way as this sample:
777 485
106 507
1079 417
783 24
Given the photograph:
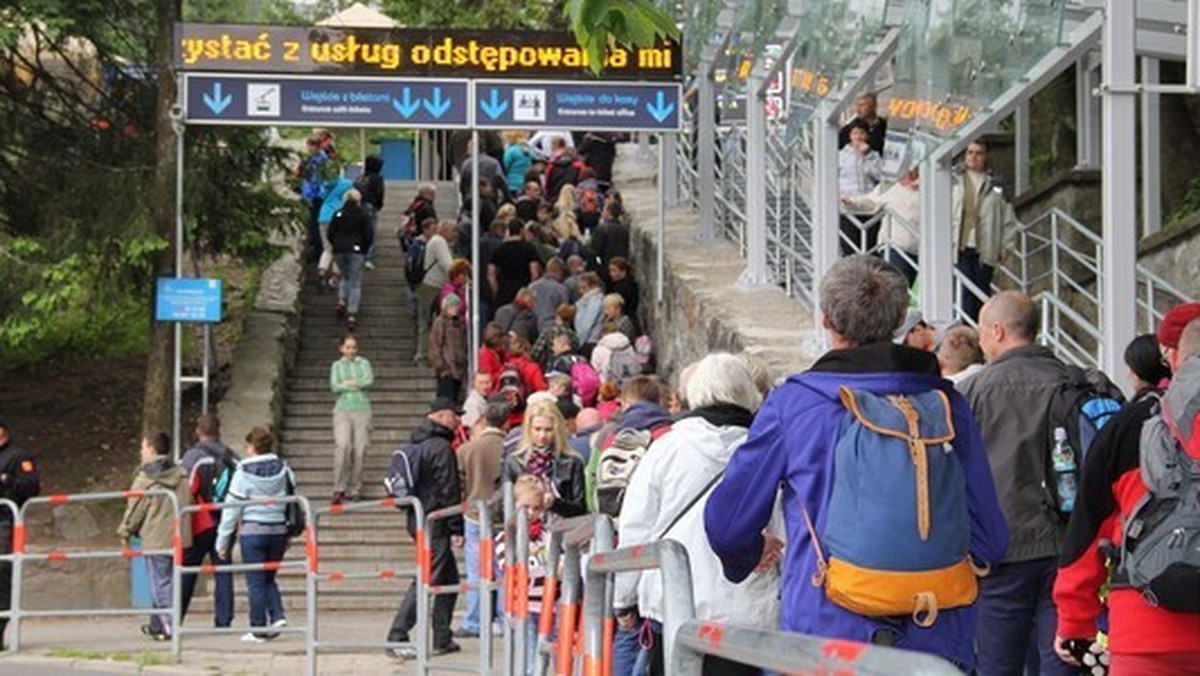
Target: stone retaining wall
265 352
704 309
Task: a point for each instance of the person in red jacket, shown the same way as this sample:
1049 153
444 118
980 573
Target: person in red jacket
491 353
531 373
1144 640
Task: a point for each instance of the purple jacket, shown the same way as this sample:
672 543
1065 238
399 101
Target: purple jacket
790 447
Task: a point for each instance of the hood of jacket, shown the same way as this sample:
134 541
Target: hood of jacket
373 164
643 415
163 472
430 430
266 473
616 341
879 368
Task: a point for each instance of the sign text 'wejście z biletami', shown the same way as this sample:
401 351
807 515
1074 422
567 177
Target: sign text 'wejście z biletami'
407 52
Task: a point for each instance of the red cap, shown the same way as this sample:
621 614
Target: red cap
1174 322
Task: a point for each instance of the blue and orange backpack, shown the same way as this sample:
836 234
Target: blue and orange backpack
897 528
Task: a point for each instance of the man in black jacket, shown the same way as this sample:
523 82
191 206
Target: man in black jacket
18 482
438 487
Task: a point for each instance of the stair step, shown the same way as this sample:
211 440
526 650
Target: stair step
379 436
408 421
382 373
416 391
422 383
375 465
413 406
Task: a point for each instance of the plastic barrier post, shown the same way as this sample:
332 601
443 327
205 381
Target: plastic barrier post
520 557
549 604
603 541
509 535
568 611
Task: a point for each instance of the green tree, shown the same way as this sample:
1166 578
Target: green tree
599 24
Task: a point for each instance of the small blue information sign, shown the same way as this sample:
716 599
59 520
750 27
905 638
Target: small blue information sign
272 100
581 106
188 300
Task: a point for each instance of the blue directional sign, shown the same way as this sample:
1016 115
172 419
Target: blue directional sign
188 300
627 106
270 100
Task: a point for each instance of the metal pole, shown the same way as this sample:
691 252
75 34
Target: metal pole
509 506
177 402
661 263
1152 146
1119 197
207 371
520 556
668 173
825 211
756 273
938 298
1021 114
476 264
706 152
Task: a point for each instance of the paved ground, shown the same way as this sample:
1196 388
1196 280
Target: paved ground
115 646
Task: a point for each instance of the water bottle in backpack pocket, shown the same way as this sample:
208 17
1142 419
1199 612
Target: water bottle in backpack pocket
1079 409
897 527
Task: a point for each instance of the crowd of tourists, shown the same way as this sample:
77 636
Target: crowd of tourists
951 490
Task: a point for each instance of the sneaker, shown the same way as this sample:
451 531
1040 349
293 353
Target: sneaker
155 634
281 622
450 647
465 633
405 654
251 637
369 265
351 322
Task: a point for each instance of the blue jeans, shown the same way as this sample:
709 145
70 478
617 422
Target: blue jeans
350 289
629 659
160 567
261 589
1015 610
470 621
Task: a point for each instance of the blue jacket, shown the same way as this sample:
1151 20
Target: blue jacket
257 477
790 448
334 196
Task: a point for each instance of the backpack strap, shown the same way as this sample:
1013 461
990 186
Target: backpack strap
818 578
917 444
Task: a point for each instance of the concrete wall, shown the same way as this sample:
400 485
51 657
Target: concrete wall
266 350
704 309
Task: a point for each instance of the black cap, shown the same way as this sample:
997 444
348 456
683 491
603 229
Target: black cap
444 404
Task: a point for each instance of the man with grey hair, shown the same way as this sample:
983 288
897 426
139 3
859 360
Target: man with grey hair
795 439
1011 398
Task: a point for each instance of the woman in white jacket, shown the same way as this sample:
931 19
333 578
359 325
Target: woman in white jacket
666 498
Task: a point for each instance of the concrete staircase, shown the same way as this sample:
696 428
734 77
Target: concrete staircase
375 540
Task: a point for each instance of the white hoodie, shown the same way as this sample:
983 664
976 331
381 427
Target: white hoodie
677 467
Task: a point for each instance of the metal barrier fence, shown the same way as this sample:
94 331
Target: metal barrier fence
428 592
307 565
20 556
316 577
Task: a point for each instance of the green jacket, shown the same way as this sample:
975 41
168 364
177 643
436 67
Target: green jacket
151 517
351 397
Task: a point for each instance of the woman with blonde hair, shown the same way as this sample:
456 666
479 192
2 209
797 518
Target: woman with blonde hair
546 453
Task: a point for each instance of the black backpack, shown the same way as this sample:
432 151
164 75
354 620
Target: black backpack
404 472
1082 406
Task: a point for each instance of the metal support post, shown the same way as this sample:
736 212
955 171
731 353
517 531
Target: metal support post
1119 279
706 155
1152 147
487 586
1021 116
668 173
665 163
476 264
1087 115
519 555
825 204
756 273
937 240
177 406
1193 44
